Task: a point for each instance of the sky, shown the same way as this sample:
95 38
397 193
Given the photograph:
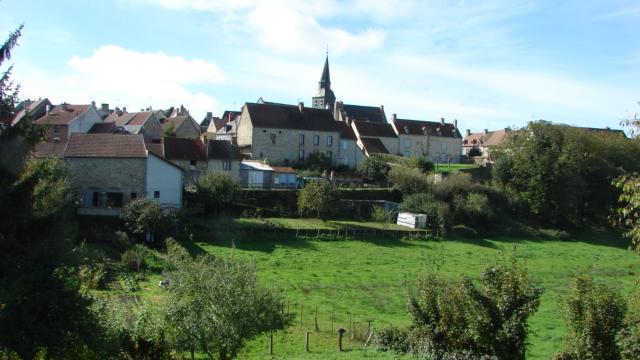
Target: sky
488 64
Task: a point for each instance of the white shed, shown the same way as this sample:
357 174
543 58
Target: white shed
164 182
412 220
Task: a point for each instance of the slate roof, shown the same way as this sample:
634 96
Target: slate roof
223 150
184 149
432 128
103 128
364 113
62 114
374 129
373 145
290 117
346 132
106 145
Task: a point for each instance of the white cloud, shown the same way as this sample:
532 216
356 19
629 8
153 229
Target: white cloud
124 77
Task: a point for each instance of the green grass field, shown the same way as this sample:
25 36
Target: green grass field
367 279
443 167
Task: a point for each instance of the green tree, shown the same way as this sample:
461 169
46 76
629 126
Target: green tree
422 163
317 198
629 212
217 190
216 304
317 161
488 320
374 168
594 316
564 173
41 307
408 180
142 216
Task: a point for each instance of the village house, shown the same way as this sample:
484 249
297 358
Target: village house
439 141
35 109
137 123
223 156
109 170
480 144
376 137
287 134
188 154
182 126
60 122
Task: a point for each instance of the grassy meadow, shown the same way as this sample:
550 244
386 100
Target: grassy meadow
367 279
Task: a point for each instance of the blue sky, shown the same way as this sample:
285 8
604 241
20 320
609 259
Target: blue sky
489 63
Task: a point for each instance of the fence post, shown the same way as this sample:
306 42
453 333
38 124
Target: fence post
331 321
316 319
340 332
306 341
351 326
271 344
301 313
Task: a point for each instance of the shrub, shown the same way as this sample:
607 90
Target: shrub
133 258
217 190
381 215
408 180
491 319
374 168
629 336
474 152
437 211
92 276
317 199
143 216
392 339
456 183
422 163
594 315
121 241
317 161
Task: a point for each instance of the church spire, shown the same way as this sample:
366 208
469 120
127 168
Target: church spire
325 79
324 99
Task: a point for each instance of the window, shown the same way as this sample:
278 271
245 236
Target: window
96 199
56 129
407 143
344 145
329 155
443 147
316 140
272 136
192 162
134 196
407 154
330 140
301 155
301 139
114 200
226 166
156 194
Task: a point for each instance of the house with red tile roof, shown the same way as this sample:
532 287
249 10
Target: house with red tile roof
182 126
109 170
143 123
481 143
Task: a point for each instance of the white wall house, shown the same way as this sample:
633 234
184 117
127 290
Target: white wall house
164 182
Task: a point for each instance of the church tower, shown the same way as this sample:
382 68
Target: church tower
324 99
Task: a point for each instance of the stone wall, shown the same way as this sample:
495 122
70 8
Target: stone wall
118 174
416 145
218 165
282 146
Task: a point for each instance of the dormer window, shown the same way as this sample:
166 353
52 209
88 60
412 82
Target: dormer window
424 130
406 129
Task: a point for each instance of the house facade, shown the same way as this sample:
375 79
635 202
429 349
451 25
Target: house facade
287 134
480 144
438 141
225 157
138 123
182 126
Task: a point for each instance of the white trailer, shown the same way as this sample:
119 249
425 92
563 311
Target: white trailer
412 220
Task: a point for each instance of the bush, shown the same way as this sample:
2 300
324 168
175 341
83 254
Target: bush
133 258
422 163
143 217
217 190
122 241
488 319
392 339
317 199
438 214
381 215
629 336
464 231
408 180
374 168
317 161
92 276
456 183
594 315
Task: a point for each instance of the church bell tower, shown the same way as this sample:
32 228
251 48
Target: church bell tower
324 99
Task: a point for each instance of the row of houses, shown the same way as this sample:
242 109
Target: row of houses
115 155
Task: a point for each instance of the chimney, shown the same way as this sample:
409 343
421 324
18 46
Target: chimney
382 108
124 109
93 103
104 107
468 132
209 115
486 131
441 121
47 108
301 106
455 123
394 117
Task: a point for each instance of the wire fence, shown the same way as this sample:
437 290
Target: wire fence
346 233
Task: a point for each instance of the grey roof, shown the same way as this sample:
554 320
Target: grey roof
364 113
222 150
290 117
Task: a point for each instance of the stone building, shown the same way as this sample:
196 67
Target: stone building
144 123
439 141
286 134
482 142
223 156
183 126
109 170
188 154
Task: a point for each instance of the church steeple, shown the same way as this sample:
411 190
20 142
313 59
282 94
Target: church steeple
324 99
